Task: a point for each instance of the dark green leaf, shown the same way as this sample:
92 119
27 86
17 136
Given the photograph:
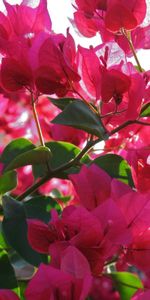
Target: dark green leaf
39 155
14 149
145 111
116 167
126 283
62 152
77 114
39 208
15 230
7 275
62 102
8 181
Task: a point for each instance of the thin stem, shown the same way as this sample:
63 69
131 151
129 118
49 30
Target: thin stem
135 56
113 113
129 39
127 124
38 126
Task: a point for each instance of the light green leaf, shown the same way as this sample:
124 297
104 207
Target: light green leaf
126 283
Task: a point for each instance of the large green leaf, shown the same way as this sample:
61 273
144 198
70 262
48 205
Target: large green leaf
116 167
62 102
62 152
145 111
15 148
8 181
15 230
126 283
7 275
77 114
39 155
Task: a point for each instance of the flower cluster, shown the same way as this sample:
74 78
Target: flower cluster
98 224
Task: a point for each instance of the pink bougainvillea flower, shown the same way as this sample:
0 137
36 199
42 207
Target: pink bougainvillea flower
122 14
14 75
97 234
25 18
89 66
90 6
94 183
102 288
57 68
78 228
113 222
8 295
87 26
138 252
46 64
135 96
140 167
135 208
120 90
72 281
87 237
113 85
110 17
22 21
41 235
116 14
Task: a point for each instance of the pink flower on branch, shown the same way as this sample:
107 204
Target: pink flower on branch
71 281
21 22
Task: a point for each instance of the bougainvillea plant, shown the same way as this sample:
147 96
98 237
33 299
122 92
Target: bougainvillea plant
75 154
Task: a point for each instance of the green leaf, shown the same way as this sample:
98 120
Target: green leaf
15 230
3 243
39 155
116 167
62 152
145 111
15 148
8 182
22 287
56 194
40 207
77 114
126 283
7 275
62 102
